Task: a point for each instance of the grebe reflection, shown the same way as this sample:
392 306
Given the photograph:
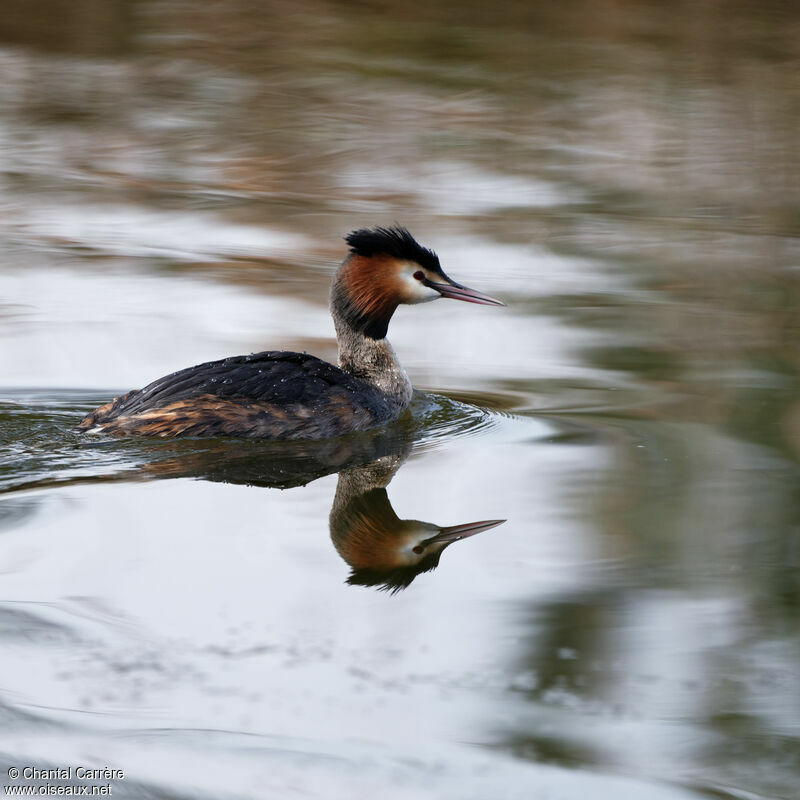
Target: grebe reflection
383 550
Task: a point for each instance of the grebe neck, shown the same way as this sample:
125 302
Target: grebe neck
373 360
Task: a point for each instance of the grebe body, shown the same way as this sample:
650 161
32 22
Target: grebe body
270 395
285 395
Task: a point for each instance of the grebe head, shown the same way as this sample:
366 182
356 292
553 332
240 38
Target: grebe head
387 267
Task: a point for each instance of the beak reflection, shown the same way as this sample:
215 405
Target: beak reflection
457 532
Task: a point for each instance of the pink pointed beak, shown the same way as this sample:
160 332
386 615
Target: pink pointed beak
458 292
466 529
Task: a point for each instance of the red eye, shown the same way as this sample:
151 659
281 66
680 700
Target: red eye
419 275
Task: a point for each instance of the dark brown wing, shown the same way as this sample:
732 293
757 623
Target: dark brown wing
270 395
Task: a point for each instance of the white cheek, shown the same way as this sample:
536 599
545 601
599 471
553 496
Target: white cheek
415 291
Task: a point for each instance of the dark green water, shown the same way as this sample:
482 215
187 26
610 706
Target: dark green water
176 179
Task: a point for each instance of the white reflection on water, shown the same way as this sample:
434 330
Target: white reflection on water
116 329
131 231
452 187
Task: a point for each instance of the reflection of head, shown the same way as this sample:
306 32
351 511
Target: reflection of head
383 550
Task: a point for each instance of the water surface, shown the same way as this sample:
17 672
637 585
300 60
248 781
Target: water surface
176 180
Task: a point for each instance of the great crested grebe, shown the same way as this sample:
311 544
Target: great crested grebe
284 395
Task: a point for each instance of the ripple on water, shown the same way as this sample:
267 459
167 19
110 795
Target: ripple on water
39 444
438 417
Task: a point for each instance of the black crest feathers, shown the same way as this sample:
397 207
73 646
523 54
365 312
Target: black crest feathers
395 241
